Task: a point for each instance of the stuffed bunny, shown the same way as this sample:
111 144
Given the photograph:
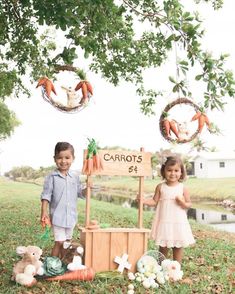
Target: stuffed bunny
22 272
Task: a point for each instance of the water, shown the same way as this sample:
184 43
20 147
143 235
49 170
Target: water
222 220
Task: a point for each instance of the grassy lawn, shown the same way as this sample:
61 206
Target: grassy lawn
208 266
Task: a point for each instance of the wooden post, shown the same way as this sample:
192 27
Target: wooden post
141 192
88 200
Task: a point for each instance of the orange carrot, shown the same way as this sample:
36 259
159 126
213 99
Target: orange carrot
87 274
49 87
79 85
84 168
173 128
41 81
89 165
95 162
166 126
201 122
89 87
207 120
196 116
84 91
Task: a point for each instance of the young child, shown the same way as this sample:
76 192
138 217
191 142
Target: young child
60 192
170 227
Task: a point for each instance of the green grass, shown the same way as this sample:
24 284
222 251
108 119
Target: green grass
20 214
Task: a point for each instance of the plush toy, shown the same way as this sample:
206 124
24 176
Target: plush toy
29 266
73 255
183 130
27 277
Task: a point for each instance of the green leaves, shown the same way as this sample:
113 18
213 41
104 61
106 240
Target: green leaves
106 34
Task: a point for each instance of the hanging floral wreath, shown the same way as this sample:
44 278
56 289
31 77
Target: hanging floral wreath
177 132
74 102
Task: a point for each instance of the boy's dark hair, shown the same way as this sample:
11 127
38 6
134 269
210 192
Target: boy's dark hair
62 146
172 160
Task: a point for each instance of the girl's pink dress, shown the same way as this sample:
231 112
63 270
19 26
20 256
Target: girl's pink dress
170 227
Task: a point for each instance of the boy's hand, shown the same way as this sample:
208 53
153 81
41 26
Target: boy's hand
45 220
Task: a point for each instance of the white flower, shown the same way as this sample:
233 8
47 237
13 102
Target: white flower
146 284
130 287
131 276
162 160
154 285
160 278
157 268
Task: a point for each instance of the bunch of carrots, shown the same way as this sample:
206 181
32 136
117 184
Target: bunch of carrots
47 85
202 120
86 90
92 161
169 125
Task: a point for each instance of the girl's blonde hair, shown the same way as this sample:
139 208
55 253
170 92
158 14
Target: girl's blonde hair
172 160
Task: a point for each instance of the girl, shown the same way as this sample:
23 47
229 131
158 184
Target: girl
60 192
170 228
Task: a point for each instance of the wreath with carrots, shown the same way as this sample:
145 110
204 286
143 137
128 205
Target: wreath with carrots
169 128
49 91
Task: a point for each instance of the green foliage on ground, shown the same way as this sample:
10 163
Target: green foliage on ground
208 266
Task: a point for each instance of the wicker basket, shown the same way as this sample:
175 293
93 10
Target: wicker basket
166 110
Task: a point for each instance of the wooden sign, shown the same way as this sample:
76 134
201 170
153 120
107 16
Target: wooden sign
125 163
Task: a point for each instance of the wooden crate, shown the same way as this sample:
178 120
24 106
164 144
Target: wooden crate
103 245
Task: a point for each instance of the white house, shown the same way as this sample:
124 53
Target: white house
210 216
214 165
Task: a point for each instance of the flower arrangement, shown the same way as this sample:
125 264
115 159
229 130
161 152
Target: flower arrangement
151 274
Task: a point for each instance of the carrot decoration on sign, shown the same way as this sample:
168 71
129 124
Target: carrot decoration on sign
92 161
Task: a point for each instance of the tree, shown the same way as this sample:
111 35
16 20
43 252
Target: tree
104 31
8 121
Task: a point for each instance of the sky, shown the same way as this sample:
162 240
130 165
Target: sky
113 116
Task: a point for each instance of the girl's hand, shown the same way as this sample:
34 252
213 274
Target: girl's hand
180 201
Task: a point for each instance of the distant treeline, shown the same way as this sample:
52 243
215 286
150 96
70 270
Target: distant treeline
28 173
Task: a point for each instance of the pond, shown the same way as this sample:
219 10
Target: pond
221 220
204 212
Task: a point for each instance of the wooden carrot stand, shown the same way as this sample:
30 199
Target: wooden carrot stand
103 245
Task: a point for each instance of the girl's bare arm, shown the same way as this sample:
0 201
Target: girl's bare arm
153 201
